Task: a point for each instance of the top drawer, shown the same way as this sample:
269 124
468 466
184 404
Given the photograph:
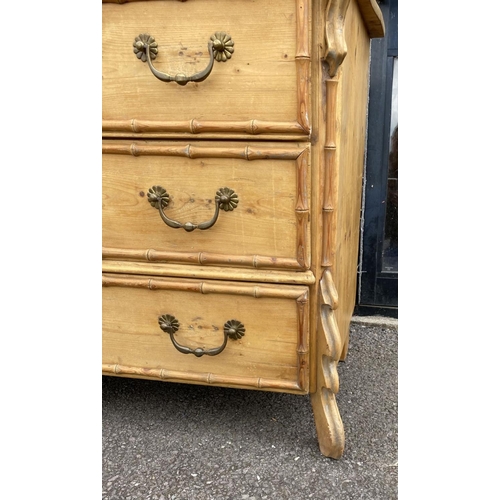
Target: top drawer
261 90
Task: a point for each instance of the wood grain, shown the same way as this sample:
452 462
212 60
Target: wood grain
266 79
269 228
274 347
283 123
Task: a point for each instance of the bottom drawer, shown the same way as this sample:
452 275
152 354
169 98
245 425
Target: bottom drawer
232 334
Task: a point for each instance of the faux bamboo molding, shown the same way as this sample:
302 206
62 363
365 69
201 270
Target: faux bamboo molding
202 378
193 151
303 64
303 341
330 186
298 293
209 273
209 259
185 136
301 126
205 287
302 211
300 154
249 127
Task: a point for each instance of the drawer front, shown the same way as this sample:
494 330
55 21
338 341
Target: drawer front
269 324
266 224
262 89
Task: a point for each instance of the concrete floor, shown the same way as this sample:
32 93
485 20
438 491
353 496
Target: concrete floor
165 441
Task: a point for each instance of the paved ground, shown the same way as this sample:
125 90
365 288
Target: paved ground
165 441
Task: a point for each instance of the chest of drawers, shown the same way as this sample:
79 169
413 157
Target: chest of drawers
233 147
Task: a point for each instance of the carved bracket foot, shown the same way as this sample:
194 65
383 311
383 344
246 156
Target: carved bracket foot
329 426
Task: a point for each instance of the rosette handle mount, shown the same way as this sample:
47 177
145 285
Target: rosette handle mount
220 49
233 329
225 198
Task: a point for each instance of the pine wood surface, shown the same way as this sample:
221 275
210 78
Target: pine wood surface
286 258
260 83
271 219
272 348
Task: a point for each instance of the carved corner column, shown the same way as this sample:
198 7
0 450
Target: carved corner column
334 55
330 345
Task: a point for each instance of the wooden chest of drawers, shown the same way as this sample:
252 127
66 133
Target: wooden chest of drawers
233 148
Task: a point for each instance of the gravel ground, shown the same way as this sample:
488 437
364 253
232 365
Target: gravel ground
165 441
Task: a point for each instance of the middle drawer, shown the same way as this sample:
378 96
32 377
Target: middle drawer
234 204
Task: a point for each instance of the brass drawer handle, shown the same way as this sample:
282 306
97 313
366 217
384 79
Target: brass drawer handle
233 329
224 197
220 48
